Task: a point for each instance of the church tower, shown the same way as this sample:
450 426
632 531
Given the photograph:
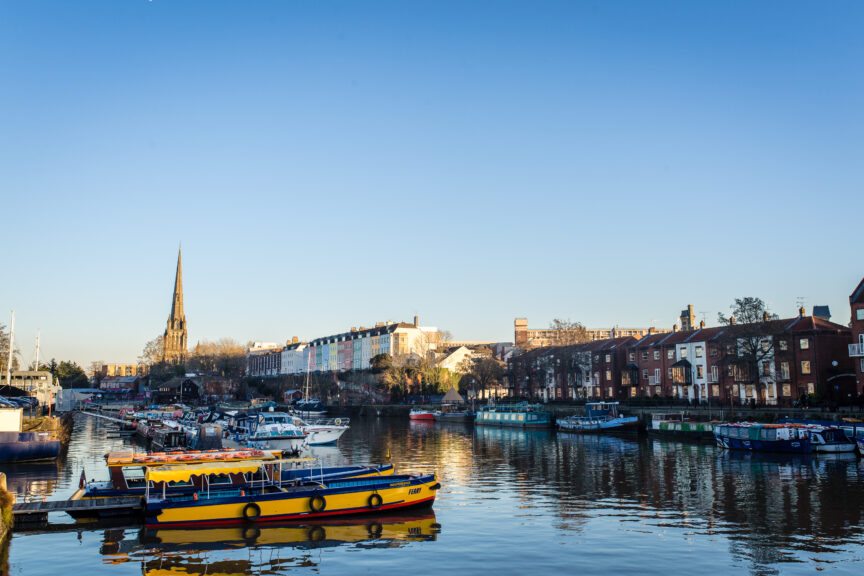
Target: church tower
174 339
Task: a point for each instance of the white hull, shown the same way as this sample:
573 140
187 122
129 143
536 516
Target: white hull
318 435
293 445
833 448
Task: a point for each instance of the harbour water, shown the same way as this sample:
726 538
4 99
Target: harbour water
512 502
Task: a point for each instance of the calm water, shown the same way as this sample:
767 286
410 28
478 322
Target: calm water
512 502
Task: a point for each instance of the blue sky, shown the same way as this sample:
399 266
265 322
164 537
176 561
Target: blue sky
330 164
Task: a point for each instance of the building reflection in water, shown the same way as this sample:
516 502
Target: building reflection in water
767 506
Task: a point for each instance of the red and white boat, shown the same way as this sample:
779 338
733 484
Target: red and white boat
417 414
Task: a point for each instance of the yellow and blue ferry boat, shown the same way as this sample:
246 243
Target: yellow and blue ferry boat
266 500
521 415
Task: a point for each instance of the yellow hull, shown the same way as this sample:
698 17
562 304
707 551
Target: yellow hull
352 496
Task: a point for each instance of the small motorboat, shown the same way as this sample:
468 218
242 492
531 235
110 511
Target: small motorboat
419 414
599 417
830 439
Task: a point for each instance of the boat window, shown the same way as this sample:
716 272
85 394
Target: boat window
770 434
219 479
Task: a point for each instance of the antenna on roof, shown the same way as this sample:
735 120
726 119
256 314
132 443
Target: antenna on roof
799 302
704 316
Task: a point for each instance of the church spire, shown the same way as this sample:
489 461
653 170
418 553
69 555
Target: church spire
174 338
177 303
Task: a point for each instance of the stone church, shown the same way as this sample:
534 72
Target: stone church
174 338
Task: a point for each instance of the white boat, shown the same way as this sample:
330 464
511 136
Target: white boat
322 431
830 439
599 417
276 431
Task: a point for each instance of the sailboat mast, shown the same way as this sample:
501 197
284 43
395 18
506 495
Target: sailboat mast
36 362
11 348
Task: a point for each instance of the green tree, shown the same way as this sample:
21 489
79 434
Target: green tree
380 363
71 375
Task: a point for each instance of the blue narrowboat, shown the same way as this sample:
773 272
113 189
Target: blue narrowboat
521 415
789 438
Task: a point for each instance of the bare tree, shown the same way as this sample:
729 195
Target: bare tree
751 341
152 353
568 332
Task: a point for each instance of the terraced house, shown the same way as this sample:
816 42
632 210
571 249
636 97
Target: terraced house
352 350
774 362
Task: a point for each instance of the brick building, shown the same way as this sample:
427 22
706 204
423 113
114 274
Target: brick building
856 348
796 356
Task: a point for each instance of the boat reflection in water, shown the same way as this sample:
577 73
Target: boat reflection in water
236 549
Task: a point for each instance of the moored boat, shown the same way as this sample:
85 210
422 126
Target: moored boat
521 415
322 431
676 426
127 473
599 417
791 438
453 413
266 500
831 440
276 431
419 414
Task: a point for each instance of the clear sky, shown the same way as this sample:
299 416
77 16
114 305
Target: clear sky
329 164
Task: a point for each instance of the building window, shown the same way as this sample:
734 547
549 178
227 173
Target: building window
783 345
715 390
670 354
766 345
805 343
608 375
698 351
683 352
730 349
713 351
859 314
645 355
766 368
715 374
669 373
784 370
862 364
656 355
608 358
644 374
700 371
632 356
805 367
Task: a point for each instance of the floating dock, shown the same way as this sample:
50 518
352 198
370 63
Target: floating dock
36 513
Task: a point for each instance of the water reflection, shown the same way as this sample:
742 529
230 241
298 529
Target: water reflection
511 500
209 550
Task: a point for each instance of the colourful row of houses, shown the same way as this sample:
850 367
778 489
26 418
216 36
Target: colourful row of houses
351 350
774 362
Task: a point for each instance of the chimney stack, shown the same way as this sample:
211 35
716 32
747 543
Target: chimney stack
675 328
801 312
732 320
701 324
416 321
765 317
295 340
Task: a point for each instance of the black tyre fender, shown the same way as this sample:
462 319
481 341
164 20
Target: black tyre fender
375 500
251 511
375 529
317 503
251 533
